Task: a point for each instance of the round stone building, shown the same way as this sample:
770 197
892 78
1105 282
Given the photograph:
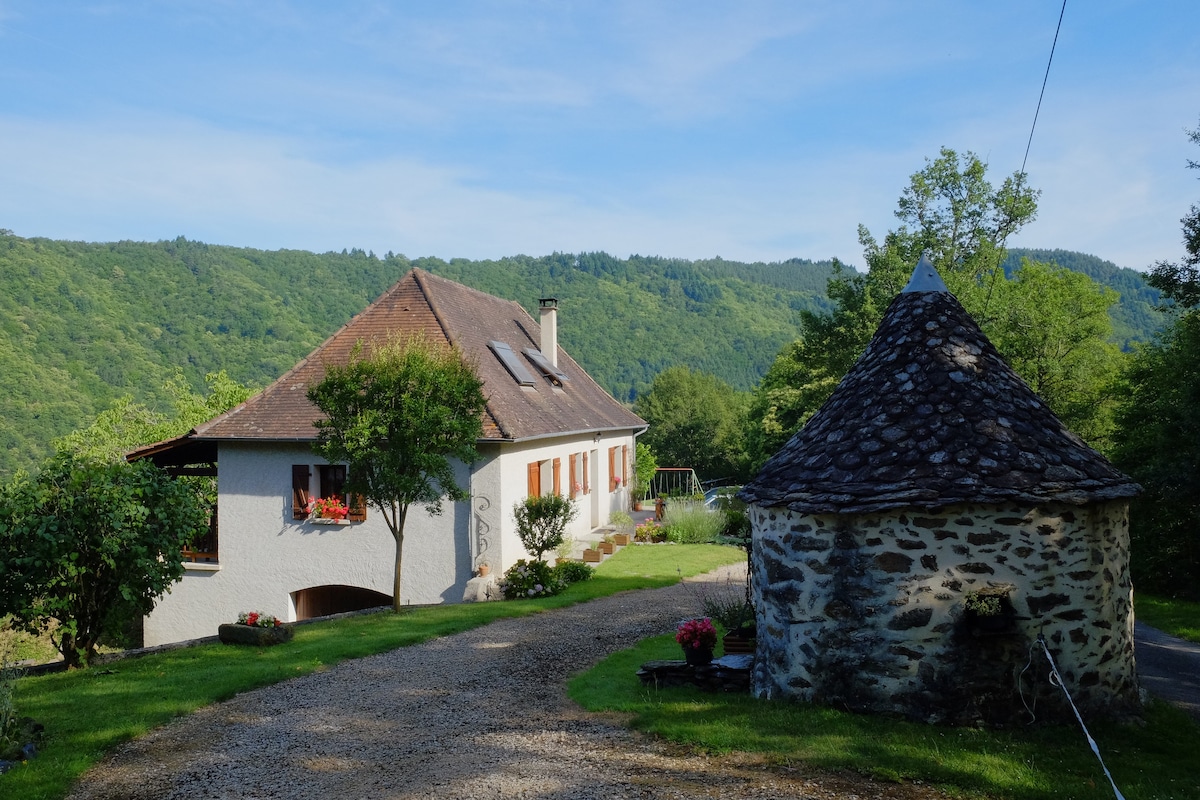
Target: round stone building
915 537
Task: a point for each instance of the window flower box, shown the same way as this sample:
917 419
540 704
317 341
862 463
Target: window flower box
315 520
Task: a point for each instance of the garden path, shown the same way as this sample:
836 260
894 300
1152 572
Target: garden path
482 714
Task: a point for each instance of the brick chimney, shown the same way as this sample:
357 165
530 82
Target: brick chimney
548 308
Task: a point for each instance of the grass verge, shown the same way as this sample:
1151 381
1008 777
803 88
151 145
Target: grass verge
1155 761
1179 618
88 712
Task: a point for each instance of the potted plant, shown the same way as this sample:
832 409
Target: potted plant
327 510
591 556
698 638
255 628
735 614
606 545
622 524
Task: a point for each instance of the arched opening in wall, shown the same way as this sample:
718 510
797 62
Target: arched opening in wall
321 601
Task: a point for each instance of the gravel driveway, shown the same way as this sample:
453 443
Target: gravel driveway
482 714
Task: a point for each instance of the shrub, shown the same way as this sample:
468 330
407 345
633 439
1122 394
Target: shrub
692 524
530 579
542 522
622 522
573 572
649 531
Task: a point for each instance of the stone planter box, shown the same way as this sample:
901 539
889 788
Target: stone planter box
254 635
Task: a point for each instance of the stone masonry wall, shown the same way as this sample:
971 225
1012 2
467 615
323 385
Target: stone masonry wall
866 611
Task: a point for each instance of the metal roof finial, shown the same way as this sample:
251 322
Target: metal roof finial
925 278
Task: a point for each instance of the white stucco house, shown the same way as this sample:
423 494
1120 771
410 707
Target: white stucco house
548 427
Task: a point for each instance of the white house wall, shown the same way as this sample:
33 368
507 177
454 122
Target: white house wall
594 508
265 555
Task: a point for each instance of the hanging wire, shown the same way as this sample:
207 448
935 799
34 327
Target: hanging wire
1044 81
1056 680
1028 144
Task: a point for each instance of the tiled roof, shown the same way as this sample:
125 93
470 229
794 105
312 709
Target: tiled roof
931 415
447 312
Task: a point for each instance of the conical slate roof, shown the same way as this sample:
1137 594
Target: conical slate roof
930 415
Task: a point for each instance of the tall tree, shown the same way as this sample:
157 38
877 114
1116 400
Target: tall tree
399 417
1051 324
90 543
1158 430
696 420
1181 282
1053 327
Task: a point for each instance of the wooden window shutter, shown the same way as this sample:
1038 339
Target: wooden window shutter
624 465
572 474
535 479
557 471
587 486
358 508
613 479
301 473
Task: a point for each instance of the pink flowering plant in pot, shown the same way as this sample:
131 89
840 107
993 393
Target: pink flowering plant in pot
697 634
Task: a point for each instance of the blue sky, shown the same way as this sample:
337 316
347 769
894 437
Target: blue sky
748 130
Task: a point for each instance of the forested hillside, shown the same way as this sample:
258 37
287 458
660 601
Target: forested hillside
1135 318
83 323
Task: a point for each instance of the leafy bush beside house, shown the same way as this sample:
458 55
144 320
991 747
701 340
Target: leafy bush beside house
542 522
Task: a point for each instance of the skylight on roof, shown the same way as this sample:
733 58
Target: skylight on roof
544 366
511 363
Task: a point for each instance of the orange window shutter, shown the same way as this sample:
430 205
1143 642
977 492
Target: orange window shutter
300 495
535 479
358 508
557 470
572 475
587 486
612 469
624 465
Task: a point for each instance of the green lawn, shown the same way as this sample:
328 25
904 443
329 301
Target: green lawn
1179 618
88 712
1159 761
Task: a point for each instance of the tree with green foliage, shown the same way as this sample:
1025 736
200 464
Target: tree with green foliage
542 522
696 420
1158 431
1181 282
1158 444
399 416
644 466
89 544
1051 324
950 212
127 424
